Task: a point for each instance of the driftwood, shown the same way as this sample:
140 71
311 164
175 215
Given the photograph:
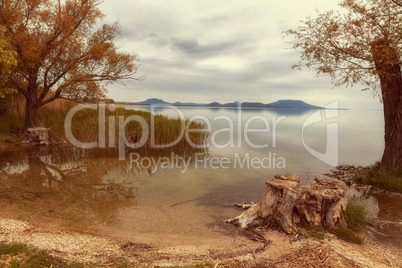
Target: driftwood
289 203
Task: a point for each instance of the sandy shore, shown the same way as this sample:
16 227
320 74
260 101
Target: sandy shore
284 251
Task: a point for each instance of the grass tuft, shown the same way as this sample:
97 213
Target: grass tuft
347 234
356 214
19 255
13 249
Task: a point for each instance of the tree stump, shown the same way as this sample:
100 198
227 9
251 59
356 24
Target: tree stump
289 203
37 135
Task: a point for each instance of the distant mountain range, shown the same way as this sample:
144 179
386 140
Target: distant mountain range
290 104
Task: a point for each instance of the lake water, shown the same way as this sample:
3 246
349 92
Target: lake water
359 134
153 196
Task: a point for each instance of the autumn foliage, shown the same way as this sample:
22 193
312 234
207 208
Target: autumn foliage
59 54
7 60
361 45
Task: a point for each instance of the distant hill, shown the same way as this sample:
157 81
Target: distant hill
289 104
177 103
254 104
292 104
232 104
214 104
153 101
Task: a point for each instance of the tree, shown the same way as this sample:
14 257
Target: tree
7 60
360 46
59 54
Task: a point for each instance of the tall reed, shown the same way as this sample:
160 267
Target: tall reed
85 123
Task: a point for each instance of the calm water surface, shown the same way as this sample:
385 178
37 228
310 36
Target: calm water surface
92 190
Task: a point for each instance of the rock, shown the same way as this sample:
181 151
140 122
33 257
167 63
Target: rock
288 202
37 136
347 173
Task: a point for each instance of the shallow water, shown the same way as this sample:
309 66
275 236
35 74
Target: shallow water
92 190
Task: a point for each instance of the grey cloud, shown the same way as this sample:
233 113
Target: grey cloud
176 40
214 20
141 36
172 77
188 46
193 47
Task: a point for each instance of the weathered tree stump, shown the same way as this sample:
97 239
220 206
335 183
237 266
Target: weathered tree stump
37 135
289 203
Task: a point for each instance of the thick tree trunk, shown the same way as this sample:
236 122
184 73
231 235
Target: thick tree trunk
388 68
31 110
392 157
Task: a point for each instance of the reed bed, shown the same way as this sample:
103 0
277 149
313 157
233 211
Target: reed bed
86 123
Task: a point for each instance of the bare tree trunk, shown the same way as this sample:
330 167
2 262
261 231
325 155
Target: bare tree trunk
389 70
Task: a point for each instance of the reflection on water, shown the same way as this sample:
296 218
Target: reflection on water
176 192
360 134
67 183
93 190
222 110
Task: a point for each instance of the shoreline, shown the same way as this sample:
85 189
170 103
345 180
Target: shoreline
94 248
346 174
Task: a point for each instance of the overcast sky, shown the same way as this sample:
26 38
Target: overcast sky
225 51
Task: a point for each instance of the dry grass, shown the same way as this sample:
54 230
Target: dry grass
12 111
85 123
314 256
389 180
